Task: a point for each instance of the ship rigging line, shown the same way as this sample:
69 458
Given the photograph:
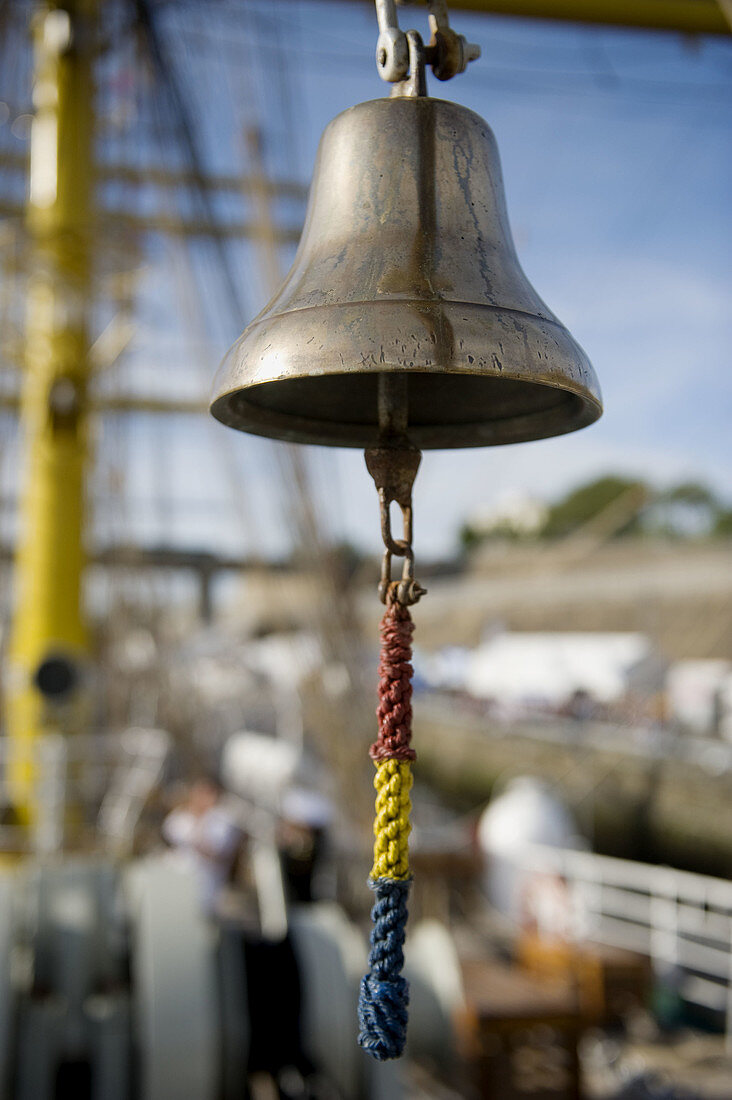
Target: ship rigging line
147 20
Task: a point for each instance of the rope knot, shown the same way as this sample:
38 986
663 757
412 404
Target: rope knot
384 996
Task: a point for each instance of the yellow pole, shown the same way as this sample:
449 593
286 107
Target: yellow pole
48 640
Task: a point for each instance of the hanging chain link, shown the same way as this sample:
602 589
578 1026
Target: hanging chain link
447 52
393 465
394 470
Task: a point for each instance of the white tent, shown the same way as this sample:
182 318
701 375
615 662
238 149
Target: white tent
516 668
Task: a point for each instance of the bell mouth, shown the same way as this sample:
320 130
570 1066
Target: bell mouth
445 410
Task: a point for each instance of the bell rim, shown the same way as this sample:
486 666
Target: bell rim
285 347
577 408
254 420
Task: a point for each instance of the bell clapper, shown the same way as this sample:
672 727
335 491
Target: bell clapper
393 464
384 992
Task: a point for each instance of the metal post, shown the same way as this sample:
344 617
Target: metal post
48 639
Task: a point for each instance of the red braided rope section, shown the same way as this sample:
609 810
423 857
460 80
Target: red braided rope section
395 687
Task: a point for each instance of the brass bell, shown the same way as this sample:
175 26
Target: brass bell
406 266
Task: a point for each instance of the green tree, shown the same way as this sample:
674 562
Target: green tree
586 502
723 523
469 537
692 493
686 510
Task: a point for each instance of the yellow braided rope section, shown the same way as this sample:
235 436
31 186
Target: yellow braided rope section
393 781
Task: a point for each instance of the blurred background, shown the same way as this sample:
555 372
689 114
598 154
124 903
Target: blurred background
189 616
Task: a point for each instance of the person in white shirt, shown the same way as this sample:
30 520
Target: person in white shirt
202 834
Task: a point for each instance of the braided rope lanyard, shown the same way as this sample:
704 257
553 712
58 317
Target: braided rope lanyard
384 993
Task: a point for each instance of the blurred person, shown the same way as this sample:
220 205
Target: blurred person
580 706
547 908
203 834
301 839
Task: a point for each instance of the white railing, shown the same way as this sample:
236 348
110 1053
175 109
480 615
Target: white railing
681 921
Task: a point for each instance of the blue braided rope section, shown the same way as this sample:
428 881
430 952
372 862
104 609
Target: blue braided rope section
384 996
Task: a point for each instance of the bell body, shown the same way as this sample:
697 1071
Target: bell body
406 264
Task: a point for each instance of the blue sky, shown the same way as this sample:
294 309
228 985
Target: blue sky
617 158
617 162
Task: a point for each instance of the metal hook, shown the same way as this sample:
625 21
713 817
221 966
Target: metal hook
448 53
415 82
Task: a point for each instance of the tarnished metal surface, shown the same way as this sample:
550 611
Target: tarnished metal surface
406 264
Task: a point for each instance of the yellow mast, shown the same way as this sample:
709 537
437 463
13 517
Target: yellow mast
48 639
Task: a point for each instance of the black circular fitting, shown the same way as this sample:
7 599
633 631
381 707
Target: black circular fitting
56 676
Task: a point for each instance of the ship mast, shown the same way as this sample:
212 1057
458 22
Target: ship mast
48 643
